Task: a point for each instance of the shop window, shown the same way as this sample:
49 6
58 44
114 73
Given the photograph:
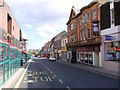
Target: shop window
77 55
90 58
112 51
81 56
90 55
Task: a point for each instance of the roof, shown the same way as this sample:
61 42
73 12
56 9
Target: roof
73 10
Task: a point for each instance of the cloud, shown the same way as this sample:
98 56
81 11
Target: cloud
50 30
28 26
24 35
41 20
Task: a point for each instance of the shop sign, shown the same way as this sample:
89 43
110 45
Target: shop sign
95 28
56 50
86 49
107 37
64 49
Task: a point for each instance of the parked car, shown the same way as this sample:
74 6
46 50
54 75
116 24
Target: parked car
52 59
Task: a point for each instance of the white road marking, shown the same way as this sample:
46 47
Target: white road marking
30 81
68 88
60 80
55 75
50 79
35 78
24 81
22 76
44 66
51 72
45 79
25 78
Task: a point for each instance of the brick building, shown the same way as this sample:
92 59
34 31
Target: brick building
84 34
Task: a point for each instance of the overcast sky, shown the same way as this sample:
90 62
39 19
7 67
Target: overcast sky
41 20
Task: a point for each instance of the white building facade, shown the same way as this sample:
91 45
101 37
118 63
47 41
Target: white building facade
110 31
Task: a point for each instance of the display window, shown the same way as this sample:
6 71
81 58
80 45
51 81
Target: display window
85 56
90 58
112 51
81 56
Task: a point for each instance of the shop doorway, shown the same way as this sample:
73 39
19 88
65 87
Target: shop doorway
96 56
73 56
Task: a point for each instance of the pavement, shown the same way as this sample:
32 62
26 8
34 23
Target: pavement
89 68
93 69
12 81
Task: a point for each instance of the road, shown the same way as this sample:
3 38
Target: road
49 74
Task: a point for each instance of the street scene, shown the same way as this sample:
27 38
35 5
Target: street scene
60 44
42 73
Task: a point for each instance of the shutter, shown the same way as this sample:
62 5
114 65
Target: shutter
105 16
117 13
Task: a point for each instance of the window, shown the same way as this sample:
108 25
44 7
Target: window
88 32
65 41
72 26
83 19
13 28
81 35
94 14
80 21
73 38
84 32
88 17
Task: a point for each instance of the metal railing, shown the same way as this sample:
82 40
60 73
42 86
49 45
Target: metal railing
10 62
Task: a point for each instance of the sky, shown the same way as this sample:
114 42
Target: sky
41 20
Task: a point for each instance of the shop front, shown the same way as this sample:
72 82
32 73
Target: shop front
85 55
64 53
89 55
111 51
56 53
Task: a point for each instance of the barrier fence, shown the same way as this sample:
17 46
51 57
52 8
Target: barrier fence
10 61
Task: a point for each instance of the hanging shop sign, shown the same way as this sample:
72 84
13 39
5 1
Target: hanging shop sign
95 28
